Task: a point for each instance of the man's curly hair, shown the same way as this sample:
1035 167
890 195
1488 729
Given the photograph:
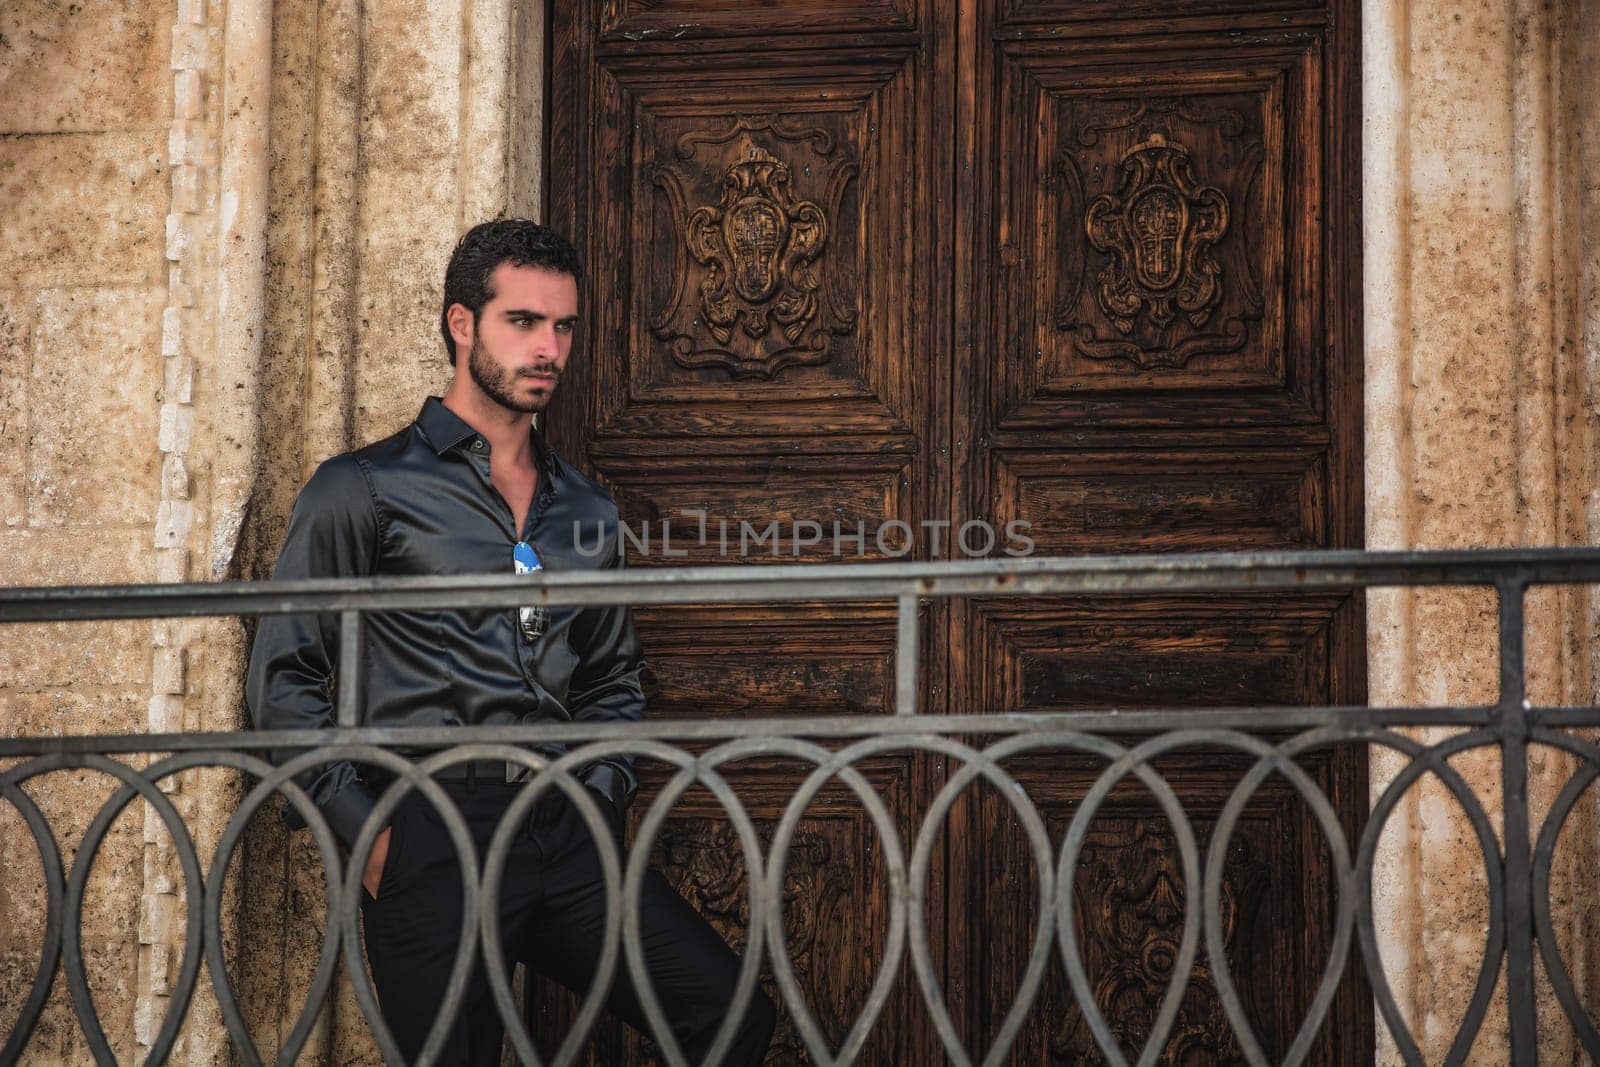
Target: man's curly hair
520 242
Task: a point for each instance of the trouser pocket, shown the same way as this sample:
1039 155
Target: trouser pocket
390 881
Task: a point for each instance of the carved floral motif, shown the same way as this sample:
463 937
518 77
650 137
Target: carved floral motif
760 246
1159 229
1133 875
694 855
1161 290
765 302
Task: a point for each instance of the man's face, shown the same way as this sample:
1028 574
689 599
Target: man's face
523 336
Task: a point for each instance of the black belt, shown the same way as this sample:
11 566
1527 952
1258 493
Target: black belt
473 772
485 770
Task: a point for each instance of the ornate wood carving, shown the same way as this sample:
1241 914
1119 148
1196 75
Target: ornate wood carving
1159 228
833 894
1225 330
695 856
1129 900
953 269
1132 898
804 265
758 251
1162 281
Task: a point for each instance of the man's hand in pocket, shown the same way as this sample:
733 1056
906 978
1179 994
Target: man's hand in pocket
375 862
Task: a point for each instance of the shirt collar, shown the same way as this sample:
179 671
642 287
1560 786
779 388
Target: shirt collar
444 430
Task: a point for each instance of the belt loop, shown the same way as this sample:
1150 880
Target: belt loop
472 776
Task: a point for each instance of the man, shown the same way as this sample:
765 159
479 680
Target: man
471 487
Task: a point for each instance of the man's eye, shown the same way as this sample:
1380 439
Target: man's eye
564 327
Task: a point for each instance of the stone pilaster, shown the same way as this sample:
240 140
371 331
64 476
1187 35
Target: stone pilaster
393 127
192 152
1480 433
210 350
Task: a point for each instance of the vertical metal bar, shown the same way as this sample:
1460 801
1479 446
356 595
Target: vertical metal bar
349 681
905 656
1513 710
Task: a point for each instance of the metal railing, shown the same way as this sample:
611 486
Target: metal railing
1516 864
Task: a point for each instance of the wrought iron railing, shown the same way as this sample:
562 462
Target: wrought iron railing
1516 862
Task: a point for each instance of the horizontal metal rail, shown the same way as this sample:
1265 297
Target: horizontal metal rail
1034 576
1269 741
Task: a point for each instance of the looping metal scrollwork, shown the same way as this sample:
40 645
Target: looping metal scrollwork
1056 862
1543 854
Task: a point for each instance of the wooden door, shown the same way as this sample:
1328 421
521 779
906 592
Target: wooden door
764 204
1092 265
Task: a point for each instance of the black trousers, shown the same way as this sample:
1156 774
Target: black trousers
552 919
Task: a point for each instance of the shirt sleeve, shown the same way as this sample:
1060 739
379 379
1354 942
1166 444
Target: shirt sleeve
606 684
333 532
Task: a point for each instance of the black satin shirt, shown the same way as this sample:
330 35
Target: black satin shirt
421 502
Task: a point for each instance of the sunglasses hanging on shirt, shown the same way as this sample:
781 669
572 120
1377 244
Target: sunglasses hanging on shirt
532 621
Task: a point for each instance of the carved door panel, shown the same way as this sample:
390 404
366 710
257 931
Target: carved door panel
758 195
1163 235
1086 264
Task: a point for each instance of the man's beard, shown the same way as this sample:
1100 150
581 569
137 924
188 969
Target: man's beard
498 384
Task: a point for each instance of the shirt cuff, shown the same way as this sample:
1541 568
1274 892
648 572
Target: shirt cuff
610 783
347 810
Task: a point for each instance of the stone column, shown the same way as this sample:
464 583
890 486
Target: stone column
395 125
1481 350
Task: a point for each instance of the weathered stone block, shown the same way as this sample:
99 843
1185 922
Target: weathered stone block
177 423
23 880
83 208
83 66
187 94
159 918
95 395
165 714
160 863
69 800
186 189
409 204
57 1038
172 565
44 656
62 713
161 970
14 316
111 900
190 47
174 471
173 519
41 557
188 142
169 670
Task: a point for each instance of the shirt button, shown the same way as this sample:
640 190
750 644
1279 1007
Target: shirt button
477 444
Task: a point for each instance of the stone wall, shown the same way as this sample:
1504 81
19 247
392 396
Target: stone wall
1481 312
222 231
102 159
179 347
133 173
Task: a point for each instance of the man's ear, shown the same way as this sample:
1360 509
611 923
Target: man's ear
463 326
